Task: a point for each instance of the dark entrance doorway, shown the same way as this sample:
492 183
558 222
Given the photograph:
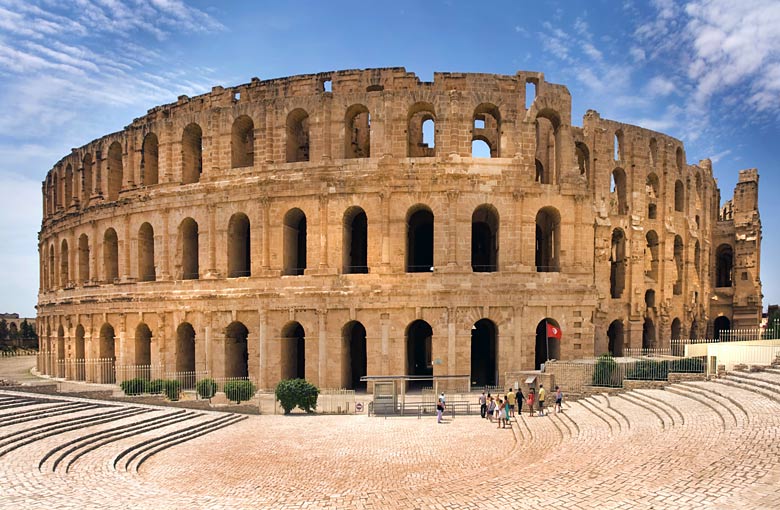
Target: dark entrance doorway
354 363
543 343
722 325
419 336
483 353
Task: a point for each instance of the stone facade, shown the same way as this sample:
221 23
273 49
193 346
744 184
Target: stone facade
316 226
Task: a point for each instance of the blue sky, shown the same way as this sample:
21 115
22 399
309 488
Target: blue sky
704 71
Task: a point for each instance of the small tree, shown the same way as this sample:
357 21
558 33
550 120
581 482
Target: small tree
293 393
3 330
172 389
239 391
206 388
606 372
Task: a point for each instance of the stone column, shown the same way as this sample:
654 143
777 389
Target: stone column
212 263
323 348
384 322
262 338
266 257
385 230
451 340
452 226
324 232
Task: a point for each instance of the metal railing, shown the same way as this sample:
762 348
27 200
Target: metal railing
336 401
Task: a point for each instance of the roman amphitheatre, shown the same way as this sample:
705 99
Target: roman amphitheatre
364 228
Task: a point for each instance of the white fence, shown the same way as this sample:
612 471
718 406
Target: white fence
729 354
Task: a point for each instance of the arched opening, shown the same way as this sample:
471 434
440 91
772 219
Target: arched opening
651 256
185 349
106 374
486 132
236 350
648 334
421 131
548 240
618 146
143 349
484 239
146 270
115 171
676 329
419 360
680 159
678 264
697 258
357 132
68 185
293 351
582 155
294 242
150 160
64 269
617 191
548 346
354 361
56 193
191 154
355 248
297 136
239 247
188 244
721 326
679 196
60 371
547 123
615 336
110 256
724 266
617 260
419 240
51 276
78 354
83 258
484 353
651 188
242 142
86 180
650 299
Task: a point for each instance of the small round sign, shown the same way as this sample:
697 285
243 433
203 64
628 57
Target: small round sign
359 407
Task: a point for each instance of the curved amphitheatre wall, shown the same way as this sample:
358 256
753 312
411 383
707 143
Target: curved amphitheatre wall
314 226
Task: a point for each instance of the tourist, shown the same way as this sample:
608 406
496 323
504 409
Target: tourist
506 413
497 410
531 402
500 413
443 398
491 408
558 400
542 394
439 410
510 399
482 404
519 399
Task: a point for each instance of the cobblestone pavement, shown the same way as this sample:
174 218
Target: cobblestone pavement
693 445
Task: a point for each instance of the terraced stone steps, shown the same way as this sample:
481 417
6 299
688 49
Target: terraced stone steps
8 419
750 385
82 445
141 452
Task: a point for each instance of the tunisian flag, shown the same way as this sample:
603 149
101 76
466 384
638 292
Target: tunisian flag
553 331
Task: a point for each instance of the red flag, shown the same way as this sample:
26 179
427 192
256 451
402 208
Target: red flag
553 331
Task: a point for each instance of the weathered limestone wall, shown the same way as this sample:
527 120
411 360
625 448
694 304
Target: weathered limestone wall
146 191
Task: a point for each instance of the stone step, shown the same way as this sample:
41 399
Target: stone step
748 387
756 381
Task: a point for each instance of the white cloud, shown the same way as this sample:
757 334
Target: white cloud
660 86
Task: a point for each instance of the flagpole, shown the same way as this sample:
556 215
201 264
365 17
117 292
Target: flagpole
547 340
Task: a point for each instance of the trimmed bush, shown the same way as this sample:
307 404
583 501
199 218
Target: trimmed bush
172 389
133 386
607 372
206 388
239 391
293 393
155 387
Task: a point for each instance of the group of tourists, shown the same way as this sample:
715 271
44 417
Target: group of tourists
501 408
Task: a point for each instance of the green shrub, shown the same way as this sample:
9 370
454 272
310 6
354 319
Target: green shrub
172 389
647 370
133 386
293 393
206 388
693 365
155 387
239 391
607 372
